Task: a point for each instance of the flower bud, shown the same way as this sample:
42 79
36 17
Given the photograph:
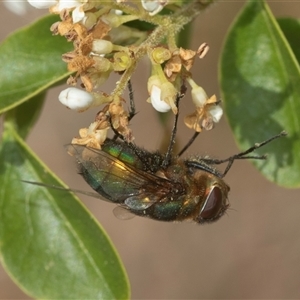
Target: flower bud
199 96
76 99
160 55
122 61
102 46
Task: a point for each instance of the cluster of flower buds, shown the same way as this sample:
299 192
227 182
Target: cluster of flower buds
105 42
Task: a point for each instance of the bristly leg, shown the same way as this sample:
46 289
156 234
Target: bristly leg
169 152
242 155
132 111
189 143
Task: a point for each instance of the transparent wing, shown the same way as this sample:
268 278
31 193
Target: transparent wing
123 213
117 181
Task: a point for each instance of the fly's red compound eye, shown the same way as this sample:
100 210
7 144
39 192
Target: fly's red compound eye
213 204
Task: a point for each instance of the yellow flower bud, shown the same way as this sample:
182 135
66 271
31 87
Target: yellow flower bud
122 61
160 55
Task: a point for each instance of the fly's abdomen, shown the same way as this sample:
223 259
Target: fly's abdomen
115 182
171 210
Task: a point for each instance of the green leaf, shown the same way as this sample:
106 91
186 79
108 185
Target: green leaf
260 78
30 62
25 115
50 244
291 30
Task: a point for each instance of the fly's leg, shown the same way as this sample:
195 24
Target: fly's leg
169 152
243 155
132 111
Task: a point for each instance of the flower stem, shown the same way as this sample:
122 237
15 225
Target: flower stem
168 27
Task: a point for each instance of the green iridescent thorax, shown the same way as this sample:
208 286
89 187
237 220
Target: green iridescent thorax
123 152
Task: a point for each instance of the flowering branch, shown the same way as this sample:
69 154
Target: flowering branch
105 42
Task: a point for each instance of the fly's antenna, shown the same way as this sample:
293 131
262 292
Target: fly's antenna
243 155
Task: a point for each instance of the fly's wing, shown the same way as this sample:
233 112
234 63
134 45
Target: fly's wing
123 213
117 181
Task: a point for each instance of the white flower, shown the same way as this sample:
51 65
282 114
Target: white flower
216 113
208 110
91 137
78 8
78 14
201 100
154 6
76 99
162 94
157 103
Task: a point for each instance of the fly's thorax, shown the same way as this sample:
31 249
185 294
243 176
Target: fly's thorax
134 156
177 173
123 152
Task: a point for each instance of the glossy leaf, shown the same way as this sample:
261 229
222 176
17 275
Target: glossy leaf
260 87
30 62
25 115
50 244
291 30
